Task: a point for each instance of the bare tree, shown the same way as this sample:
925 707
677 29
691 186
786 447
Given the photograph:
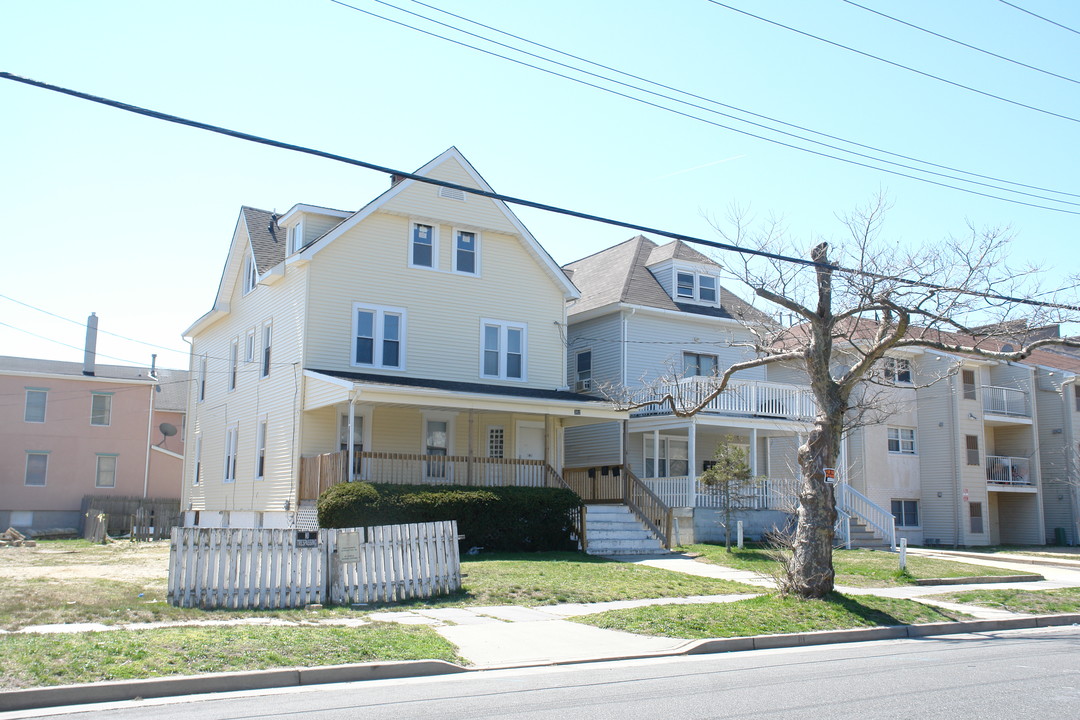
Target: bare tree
852 304
733 480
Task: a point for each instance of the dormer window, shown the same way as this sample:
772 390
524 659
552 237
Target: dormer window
695 286
251 275
296 237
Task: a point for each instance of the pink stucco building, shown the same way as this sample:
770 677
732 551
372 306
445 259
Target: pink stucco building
66 434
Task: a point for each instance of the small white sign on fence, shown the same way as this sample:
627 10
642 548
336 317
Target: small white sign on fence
246 568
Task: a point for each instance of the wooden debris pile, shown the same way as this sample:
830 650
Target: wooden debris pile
13 538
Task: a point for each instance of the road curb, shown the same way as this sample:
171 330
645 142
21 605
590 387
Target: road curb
121 690
979 580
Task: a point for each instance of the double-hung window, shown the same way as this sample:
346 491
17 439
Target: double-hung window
906 513
260 450
36 399
695 286
902 440
202 378
101 409
466 252
378 336
898 370
251 275
234 361
232 443
37 468
296 237
249 347
267 337
583 380
971 444
699 364
105 476
197 478
967 380
503 353
424 246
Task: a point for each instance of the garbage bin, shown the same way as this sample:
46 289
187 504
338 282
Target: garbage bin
1059 536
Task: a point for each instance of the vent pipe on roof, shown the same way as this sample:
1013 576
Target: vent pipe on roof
90 354
153 365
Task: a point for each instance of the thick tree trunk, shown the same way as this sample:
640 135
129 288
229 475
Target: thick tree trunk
810 572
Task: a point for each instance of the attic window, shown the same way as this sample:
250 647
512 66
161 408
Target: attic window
296 237
251 275
695 286
452 194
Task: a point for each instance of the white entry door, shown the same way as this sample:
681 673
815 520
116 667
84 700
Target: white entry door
530 446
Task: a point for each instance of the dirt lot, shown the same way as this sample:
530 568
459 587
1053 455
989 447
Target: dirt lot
62 559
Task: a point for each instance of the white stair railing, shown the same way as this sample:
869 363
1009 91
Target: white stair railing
851 502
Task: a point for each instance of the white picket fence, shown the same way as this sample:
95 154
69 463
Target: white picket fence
265 569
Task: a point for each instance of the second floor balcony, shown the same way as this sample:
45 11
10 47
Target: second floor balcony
740 397
1003 470
1005 401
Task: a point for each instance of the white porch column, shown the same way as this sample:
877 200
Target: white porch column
352 424
691 452
841 462
753 452
655 454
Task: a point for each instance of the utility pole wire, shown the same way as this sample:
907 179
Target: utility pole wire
1044 19
898 65
521 201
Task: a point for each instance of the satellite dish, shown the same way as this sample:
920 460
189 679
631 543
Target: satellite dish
167 429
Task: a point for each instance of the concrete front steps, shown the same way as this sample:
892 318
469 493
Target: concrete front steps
614 530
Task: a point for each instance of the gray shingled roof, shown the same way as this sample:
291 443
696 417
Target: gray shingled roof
620 274
267 239
172 383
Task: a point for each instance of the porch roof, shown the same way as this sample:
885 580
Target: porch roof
453 394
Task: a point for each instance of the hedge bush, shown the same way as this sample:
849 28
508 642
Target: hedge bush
497 519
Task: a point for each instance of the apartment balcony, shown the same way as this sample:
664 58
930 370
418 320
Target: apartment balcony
1009 473
1006 402
741 397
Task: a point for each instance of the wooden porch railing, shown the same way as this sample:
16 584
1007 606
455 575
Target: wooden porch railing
618 484
320 472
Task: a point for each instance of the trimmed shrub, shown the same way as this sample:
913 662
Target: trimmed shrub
345 504
497 519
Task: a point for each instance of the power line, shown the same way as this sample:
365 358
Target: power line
728 127
712 101
1044 19
531 203
896 64
960 42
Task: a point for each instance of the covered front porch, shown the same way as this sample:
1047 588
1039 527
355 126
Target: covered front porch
410 431
670 454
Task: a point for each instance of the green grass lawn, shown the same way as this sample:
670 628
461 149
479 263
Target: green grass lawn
768 614
854 568
34 660
1034 602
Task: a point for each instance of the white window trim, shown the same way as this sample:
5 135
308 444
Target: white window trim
696 297
665 450
476 253
503 326
97 469
94 395
200 388
261 430
266 347
197 457
918 511
232 445
234 363
434 244
363 414
586 385
296 236
894 367
438 416
381 311
26 469
249 346
251 274
901 441
45 409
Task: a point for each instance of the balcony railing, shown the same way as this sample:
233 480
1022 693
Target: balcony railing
1005 401
740 397
1002 470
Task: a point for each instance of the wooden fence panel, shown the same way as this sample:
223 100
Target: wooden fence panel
246 568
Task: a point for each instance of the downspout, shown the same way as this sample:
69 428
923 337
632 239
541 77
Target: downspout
953 418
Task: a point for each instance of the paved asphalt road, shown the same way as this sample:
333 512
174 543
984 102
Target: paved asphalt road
1015 674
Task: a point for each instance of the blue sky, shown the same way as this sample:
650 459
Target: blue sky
131 217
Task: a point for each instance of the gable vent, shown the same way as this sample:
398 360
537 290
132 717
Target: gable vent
452 194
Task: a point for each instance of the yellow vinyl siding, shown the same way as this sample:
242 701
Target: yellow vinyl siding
254 397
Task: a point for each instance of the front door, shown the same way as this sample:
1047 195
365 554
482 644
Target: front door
530 446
